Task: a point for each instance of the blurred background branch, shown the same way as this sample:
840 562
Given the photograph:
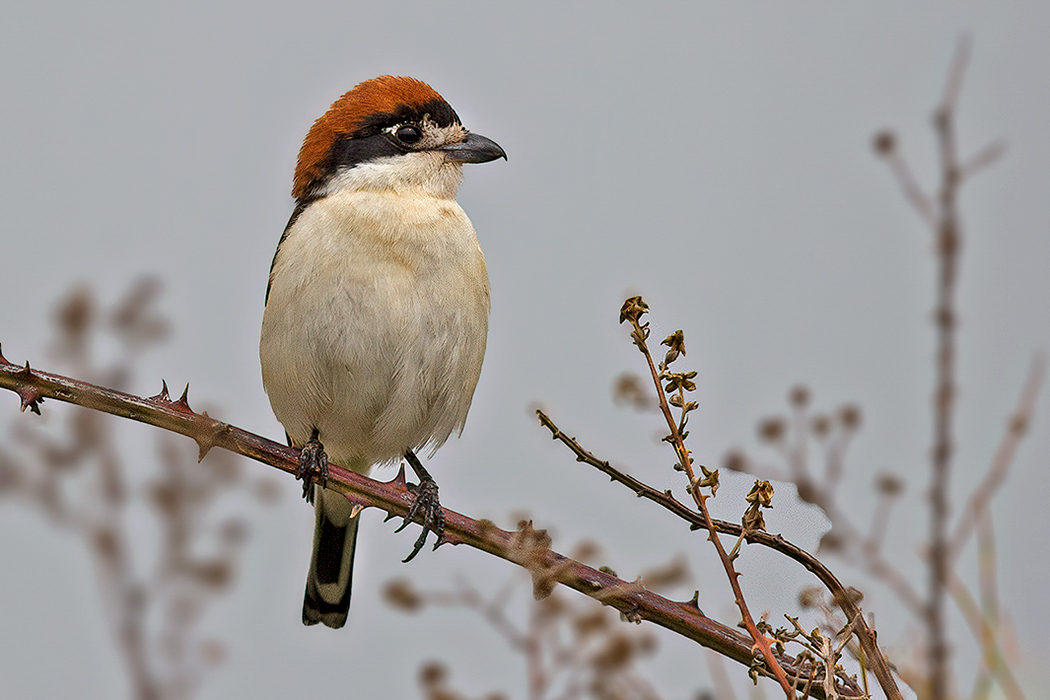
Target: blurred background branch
74 470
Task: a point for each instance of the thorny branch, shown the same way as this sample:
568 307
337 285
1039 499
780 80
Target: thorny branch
526 547
846 598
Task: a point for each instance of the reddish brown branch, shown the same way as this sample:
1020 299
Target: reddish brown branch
761 642
546 566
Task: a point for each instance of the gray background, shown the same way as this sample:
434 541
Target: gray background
715 158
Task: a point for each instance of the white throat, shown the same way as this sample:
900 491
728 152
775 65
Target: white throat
429 171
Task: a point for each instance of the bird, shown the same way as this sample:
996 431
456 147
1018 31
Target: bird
376 310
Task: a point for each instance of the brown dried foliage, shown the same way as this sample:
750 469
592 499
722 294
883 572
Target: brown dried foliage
74 472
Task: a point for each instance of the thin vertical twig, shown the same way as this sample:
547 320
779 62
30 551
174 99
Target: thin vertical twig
761 642
947 244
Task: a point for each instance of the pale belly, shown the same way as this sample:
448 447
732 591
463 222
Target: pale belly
378 347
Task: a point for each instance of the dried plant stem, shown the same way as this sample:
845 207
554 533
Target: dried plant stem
948 243
985 633
1004 456
761 642
846 601
545 565
944 401
534 658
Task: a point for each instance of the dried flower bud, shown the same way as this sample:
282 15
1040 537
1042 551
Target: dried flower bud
761 494
400 594
676 380
810 597
821 426
735 461
753 520
74 314
799 396
214 574
889 485
615 655
885 142
586 550
629 389
10 475
771 429
633 309
591 622
673 573
432 673
676 344
807 490
105 541
850 416
830 542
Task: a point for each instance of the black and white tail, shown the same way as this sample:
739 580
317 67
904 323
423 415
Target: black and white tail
332 565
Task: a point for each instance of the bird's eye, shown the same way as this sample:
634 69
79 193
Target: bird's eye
408 134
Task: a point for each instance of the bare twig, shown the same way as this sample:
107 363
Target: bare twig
546 567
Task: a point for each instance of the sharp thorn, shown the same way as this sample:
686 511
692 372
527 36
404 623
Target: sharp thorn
163 395
30 398
25 371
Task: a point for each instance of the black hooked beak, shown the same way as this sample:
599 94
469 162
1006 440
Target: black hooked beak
474 149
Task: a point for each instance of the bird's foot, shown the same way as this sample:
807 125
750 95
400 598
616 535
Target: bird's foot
313 466
427 507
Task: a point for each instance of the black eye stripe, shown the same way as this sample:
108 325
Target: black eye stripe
348 152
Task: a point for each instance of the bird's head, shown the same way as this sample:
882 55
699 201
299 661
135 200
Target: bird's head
388 133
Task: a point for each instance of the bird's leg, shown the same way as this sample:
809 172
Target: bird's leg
426 505
313 466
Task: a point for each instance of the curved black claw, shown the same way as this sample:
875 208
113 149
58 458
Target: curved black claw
313 466
426 506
